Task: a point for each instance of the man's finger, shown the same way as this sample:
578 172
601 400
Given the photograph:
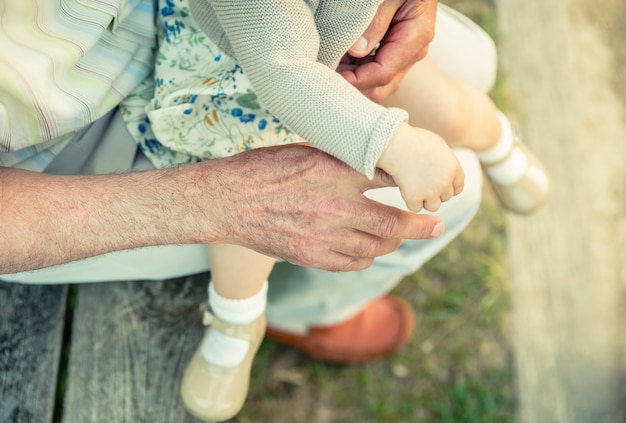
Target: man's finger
389 222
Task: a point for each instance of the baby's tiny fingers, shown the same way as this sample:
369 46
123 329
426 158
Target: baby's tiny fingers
432 205
459 183
448 194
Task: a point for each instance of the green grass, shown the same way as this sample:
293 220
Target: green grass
455 369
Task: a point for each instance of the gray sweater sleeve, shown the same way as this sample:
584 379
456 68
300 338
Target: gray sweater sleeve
277 43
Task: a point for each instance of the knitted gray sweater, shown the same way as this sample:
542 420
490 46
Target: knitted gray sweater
289 50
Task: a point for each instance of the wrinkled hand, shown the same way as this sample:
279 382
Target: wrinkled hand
404 29
301 205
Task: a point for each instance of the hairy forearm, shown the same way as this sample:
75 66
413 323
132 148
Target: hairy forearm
291 202
48 219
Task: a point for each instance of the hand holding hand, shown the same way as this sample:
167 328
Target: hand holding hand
404 29
424 167
302 205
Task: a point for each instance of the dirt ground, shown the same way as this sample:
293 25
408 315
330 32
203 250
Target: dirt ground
564 62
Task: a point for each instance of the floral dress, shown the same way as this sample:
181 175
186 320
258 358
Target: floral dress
199 105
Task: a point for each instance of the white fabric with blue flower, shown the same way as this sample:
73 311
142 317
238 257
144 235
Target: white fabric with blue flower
199 105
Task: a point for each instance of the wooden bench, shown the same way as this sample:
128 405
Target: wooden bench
114 352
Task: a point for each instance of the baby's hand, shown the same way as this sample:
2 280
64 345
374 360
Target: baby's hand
423 166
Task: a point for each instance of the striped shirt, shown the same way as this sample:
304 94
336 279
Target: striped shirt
63 65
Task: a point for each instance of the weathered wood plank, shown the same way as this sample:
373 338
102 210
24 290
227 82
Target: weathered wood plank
31 334
131 342
568 262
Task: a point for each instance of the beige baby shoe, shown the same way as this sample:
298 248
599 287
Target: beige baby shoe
213 393
526 194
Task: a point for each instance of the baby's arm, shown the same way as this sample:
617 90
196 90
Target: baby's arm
277 44
423 166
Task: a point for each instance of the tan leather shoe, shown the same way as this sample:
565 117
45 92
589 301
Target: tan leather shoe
212 393
530 192
380 329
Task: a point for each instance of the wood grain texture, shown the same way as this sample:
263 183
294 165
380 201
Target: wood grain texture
131 342
568 262
31 334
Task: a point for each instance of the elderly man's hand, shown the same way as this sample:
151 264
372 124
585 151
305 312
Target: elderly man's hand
402 30
302 205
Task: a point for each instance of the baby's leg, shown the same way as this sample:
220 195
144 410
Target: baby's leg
238 272
216 382
462 115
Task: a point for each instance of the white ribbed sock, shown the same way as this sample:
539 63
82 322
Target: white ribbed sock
223 350
238 311
511 169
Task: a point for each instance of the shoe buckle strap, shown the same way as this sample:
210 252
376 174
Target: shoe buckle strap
207 318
